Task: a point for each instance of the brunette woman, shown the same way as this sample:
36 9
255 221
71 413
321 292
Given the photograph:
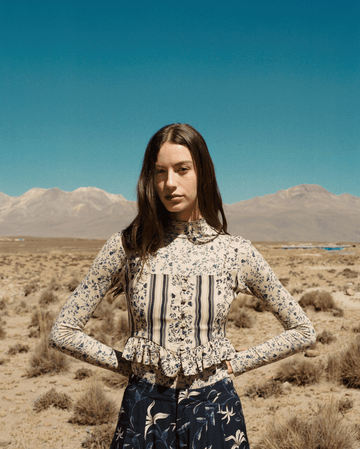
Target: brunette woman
180 271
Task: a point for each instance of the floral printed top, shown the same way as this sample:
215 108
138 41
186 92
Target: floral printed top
178 307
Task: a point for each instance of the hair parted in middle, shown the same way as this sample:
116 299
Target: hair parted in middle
146 232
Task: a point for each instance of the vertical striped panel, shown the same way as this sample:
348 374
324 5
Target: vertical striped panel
158 313
204 309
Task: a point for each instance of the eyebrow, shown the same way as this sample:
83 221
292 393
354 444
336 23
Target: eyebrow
176 165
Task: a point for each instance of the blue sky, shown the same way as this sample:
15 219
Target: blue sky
273 86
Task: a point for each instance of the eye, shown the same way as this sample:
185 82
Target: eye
158 171
183 169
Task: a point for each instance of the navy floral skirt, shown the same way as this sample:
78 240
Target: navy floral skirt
157 417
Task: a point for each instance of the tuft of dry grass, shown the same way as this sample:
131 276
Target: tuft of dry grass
115 380
94 408
18 348
46 360
345 367
42 318
243 319
72 284
325 430
326 337
54 284
299 372
2 329
265 389
32 287
100 437
321 300
52 398
48 297
83 373
345 404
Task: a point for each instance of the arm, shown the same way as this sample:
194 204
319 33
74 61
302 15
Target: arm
67 333
299 333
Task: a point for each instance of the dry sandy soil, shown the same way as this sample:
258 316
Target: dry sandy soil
37 261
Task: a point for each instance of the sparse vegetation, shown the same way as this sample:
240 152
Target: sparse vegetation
46 360
326 337
54 399
243 319
18 348
264 390
48 297
43 319
94 408
321 301
2 329
83 373
115 380
345 367
32 287
325 430
299 372
100 437
72 284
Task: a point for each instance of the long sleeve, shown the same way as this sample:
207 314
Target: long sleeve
256 275
67 334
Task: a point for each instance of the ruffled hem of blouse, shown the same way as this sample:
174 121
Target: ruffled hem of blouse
192 361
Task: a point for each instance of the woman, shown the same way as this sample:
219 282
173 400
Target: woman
180 271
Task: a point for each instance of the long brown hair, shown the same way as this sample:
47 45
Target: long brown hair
146 232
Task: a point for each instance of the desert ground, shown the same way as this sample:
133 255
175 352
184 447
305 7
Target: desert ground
33 267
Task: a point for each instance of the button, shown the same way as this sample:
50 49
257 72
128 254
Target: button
182 315
184 289
183 301
182 337
183 325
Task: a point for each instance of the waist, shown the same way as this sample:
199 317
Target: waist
155 375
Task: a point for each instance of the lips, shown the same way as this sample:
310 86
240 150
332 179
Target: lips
173 197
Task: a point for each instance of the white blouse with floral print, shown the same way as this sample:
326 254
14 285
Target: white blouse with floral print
178 308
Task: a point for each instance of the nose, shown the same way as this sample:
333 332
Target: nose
170 181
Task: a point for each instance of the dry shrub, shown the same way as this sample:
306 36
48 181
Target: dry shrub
2 330
18 348
47 297
356 329
2 304
32 287
21 308
46 360
43 319
320 300
3 361
100 437
121 331
326 337
299 372
264 390
325 430
243 319
296 290
54 284
115 380
83 373
345 404
72 284
284 281
345 367
52 398
256 304
348 273
94 408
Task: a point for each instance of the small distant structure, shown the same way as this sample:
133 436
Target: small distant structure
327 247
19 240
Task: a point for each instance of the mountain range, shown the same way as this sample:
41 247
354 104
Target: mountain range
306 212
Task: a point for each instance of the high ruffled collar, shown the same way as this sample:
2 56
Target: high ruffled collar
196 231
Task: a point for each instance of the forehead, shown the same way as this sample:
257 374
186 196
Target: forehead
172 154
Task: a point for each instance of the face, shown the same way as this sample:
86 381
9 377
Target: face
176 182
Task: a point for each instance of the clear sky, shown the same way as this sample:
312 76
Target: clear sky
272 85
